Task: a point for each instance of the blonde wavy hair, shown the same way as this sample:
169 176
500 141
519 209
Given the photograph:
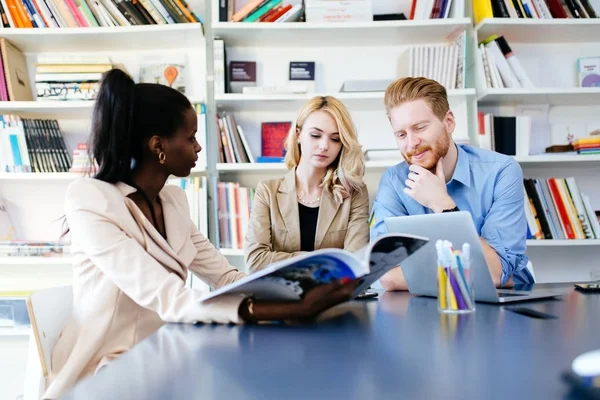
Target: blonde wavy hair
346 172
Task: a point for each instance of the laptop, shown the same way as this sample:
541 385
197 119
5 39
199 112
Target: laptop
420 269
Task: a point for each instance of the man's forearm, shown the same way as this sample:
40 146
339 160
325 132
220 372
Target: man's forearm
393 280
494 264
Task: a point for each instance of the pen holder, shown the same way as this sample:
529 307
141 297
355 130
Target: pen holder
455 281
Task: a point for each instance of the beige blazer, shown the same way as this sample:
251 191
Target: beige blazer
128 280
274 229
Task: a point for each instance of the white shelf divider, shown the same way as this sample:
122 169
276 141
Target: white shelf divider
49 109
232 252
557 30
298 34
42 176
561 243
20 331
121 38
550 159
59 176
236 101
552 96
33 260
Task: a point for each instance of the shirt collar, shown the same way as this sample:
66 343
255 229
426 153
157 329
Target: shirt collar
462 172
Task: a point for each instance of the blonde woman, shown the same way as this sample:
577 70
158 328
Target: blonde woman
322 201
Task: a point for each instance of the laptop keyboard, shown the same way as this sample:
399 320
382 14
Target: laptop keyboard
505 294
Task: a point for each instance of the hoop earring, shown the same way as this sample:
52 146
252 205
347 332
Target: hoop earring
162 157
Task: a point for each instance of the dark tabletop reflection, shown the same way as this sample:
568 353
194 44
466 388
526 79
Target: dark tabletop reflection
399 346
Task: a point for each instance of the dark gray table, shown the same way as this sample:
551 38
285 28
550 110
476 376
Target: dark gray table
397 347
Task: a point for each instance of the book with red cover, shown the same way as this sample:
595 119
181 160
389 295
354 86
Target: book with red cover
273 136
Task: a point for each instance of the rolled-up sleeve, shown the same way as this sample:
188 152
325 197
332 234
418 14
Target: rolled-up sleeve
387 203
505 226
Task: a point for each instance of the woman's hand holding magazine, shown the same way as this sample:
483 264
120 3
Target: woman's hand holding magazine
316 301
304 286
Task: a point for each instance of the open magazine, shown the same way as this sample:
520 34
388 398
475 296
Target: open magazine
291 279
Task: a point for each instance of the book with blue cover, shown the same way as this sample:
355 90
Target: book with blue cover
291 279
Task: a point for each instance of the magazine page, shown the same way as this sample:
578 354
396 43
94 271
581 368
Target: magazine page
292 279
387 252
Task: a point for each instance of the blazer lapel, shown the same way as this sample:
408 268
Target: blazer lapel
175 222
174 262
288 208
327 211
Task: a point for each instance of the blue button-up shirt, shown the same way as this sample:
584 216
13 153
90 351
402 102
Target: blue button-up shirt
487 184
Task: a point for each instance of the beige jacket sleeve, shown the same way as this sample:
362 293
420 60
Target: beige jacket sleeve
258 244
210 265
124 261
357 235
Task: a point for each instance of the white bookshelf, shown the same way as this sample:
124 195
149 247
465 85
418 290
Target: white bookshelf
40 177
520 30
48 109
299 34
33 260
551 159
10 332
232 252
554 96
369 100
563 243
125 38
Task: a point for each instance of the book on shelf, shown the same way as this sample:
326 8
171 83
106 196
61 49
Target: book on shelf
241 74
233 143
293 278
500 66
273 135
588 71
93 13
430 9
195 189
234 204
444 63
32 145
534 9
506 135
259 11
201 135
556 209
14 76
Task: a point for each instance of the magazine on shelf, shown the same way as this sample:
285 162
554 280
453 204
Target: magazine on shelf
291 279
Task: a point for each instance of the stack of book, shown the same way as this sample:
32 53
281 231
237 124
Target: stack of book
32 145
69 79
92 13
82 161
556 209
588 145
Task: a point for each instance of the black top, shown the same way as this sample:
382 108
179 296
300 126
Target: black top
308 226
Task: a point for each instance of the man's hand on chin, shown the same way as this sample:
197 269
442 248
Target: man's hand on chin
429 189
